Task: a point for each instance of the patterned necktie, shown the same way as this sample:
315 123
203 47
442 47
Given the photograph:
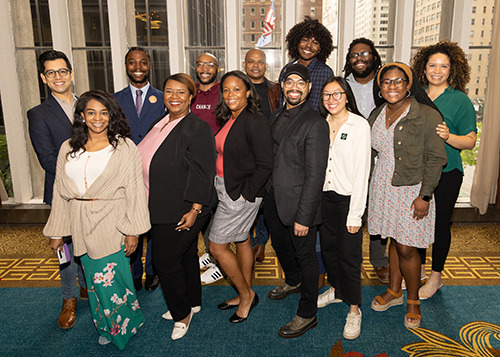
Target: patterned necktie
138 102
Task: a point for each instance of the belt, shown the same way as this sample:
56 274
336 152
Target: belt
86 199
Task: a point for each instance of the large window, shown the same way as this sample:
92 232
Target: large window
97 46
272 43
152 33
205 32
377 13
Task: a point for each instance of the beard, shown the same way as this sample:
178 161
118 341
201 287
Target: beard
206 81
370 67
135 80
295 101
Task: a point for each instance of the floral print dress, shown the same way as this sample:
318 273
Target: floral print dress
389 207
112 298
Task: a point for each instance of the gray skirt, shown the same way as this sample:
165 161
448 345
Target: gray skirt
232 220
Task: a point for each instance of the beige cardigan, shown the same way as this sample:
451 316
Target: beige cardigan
99 227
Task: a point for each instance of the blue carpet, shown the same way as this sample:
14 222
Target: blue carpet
28 325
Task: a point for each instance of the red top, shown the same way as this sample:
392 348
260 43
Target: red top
220 139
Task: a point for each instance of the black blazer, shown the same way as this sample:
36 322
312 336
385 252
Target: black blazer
300 167
248 156
182 172
49 127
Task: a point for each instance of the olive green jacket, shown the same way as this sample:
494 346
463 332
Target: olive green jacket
419 152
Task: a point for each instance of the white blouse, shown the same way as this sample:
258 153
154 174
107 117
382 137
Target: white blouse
348 167
85 167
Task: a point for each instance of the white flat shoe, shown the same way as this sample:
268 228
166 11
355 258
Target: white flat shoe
103 340
168 315
180 328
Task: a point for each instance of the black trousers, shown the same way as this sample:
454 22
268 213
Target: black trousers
446 195
175 259
297 256
341 250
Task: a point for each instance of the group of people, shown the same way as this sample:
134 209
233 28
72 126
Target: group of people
299 157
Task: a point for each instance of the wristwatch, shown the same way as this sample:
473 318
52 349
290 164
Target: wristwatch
426 198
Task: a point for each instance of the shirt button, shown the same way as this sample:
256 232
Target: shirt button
330 159
399 142
395 174
400 127
399 158
329 170
329 182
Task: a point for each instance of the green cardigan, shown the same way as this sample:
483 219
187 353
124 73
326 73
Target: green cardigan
419 152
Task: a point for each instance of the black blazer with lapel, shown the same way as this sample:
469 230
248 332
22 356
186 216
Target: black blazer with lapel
49 127
248 156
182 172
300 167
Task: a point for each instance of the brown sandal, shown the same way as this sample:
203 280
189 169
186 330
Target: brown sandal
383 305
410 315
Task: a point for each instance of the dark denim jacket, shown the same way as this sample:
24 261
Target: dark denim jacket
419 152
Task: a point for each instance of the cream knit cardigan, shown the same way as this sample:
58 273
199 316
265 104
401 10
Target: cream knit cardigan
99 227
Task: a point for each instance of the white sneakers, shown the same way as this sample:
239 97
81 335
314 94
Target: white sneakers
352 327
168 315
211 275
205 261
327 298
180 328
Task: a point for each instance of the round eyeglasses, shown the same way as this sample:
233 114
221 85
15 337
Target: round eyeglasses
63 72
335 95
398 82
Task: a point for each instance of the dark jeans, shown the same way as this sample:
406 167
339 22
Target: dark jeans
341 250
446 195
175 258
297 256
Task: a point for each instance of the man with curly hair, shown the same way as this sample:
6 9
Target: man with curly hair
361 65
310 43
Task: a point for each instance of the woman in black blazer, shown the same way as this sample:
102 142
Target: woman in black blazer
244 163
178 156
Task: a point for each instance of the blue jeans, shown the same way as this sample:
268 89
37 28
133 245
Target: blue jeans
68 273
261 234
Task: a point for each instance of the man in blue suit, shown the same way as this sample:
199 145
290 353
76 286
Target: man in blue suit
49 126
142 105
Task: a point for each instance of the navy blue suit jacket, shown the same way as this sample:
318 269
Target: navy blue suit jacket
152 109
49 127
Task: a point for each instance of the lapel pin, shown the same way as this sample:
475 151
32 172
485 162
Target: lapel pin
343 136
152 99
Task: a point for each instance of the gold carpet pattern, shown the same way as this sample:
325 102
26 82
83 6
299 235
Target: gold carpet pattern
474 259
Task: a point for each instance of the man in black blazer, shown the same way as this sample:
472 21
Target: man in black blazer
142 105
292 207
49 126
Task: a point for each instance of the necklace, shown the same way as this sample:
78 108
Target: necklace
85 173
401 109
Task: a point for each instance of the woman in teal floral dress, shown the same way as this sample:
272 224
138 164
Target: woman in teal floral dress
99 200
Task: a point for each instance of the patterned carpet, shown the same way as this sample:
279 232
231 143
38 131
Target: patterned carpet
474 259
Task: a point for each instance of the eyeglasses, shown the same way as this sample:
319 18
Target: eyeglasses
362 54
336 95
63 72
301 84
398 82
209 64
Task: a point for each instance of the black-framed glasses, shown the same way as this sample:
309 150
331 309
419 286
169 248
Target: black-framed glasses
209 64
362 54
398 82
335 95
63 72
301 84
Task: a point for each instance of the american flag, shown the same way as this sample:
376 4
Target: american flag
267 35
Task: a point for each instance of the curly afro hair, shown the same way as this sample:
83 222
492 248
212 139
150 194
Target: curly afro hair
459 69
309 28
